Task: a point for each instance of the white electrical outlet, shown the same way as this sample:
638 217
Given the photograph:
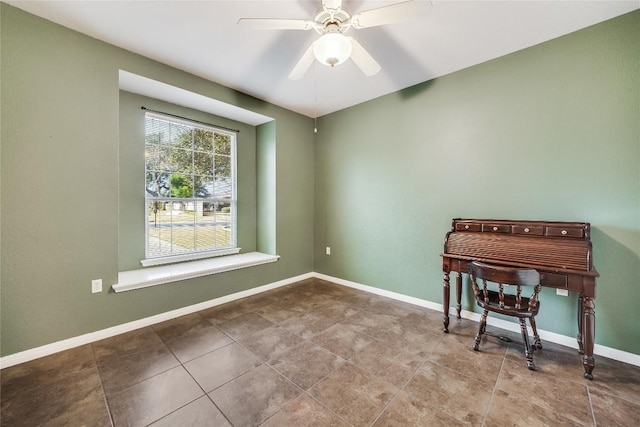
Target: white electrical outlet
562 292
327 250
96 286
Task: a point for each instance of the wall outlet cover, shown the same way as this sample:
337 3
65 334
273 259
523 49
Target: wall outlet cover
96 286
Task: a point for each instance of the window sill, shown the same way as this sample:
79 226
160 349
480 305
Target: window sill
152 262
153 276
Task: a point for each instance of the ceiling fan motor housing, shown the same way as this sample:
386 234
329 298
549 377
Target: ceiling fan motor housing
325 18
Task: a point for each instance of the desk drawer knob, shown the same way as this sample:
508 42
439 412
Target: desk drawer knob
526 230
466 227
495 228
563 232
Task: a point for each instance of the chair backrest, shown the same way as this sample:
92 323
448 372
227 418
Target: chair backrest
504 276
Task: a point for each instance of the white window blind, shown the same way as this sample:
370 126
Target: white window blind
190 188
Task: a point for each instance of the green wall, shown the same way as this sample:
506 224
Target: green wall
60 187
266 196
550 133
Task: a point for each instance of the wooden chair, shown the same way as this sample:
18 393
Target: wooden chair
509 304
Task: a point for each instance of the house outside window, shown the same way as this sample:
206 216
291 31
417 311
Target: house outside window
190 189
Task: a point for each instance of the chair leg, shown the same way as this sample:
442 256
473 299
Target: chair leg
536 338
527 347
481 329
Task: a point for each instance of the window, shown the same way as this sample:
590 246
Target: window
190 190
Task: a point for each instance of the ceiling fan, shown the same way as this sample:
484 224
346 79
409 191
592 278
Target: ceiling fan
331 22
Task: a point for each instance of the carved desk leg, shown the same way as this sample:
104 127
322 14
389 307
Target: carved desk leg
445 301
459 294
588 335
580 322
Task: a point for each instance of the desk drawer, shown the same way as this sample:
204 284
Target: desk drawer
496 228
468 226
564 232
531 230
554 280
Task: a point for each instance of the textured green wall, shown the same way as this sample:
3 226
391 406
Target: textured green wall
60 201
551 133
266 195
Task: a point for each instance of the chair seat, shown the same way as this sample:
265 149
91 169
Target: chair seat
509 305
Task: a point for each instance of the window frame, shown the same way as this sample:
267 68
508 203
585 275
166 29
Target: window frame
232 248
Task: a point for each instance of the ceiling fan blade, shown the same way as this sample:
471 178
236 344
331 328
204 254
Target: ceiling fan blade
276 24
303 64
363 60
391 14
331 4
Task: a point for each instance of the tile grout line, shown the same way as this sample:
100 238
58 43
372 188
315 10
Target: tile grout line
104 393
303 391
188 373
181 364
266 363
402 387
345 361
306 392
194 380
494 388
593 412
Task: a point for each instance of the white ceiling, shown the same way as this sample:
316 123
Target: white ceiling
202 38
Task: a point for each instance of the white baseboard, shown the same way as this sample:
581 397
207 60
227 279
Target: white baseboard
45 350
600 350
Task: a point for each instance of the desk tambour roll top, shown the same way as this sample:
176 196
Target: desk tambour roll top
550 246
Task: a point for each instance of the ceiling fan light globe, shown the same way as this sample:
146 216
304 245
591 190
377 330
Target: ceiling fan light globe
332 49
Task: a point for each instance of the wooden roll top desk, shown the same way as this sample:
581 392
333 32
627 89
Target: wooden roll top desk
560 251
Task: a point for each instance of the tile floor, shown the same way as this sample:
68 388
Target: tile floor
314 354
